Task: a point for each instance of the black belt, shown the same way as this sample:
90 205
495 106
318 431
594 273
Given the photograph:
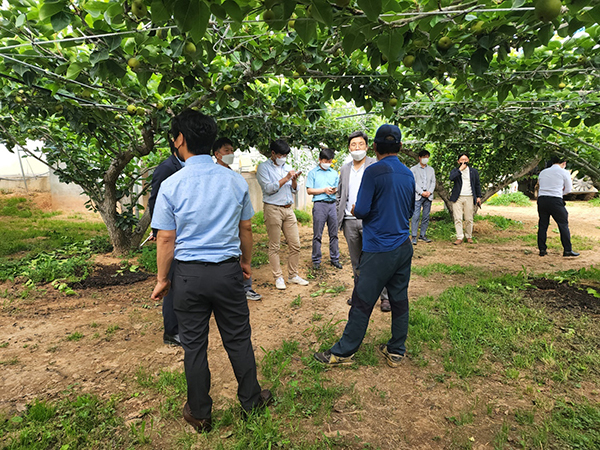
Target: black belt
324 201
280 206
233 259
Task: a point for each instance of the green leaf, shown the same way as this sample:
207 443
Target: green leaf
257 64
95 9
322 11
352 41
391 44
199 28
289 6
528 48
144 76
503 92
372 8
517 3
218 11
306 29
21 18
479 62
96 57
50 9
234 11
60 21
114 10
186 13
160 14
74 70
545 33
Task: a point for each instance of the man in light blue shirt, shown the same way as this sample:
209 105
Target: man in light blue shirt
202 215
321 183
555 182
279 183
424 186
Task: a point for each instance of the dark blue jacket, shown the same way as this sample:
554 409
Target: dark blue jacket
163 171
455 176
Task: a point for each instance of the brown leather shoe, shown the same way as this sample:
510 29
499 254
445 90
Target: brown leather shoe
265 399
201 425
385 306
470 241
458 242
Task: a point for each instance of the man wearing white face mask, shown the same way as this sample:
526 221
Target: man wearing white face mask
350 179
279 183
321 183
424 186
223 152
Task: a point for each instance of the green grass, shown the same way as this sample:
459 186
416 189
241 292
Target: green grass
76 336
27 229
500 222
303 217
451 269
553 242
81 422
512 199
594 202
147 259
441 224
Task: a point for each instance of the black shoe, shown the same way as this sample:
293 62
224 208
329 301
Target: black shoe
571 253
336 264
385 306
543 252
200 425
425 239
264 400
316 266
171 339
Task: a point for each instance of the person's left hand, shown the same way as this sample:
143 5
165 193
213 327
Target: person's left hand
161 289
426 194
352 210
479 202
246 269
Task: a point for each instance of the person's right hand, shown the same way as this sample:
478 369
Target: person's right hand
152 237
463 166
291 174
161 289
246 269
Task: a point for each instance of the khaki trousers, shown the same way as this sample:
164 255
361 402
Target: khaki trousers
278 219
464 205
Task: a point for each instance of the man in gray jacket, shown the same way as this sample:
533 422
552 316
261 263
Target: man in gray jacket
350 179
424 186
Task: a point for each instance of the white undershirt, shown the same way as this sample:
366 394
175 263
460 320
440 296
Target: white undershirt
466 183
353 186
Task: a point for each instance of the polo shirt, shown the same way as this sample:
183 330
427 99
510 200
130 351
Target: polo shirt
318 178
385 203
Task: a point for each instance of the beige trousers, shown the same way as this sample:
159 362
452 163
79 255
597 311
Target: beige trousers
278 219
464 205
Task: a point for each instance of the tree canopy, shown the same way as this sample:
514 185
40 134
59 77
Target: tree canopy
98 81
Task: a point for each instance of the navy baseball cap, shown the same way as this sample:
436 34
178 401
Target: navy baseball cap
388 134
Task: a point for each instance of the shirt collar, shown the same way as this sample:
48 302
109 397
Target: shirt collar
199 159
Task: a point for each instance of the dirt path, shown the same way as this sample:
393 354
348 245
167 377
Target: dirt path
122 331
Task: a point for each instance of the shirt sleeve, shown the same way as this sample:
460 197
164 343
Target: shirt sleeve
337 179
164 216
432 181
247 209
310 180
362 208
568 183
267 184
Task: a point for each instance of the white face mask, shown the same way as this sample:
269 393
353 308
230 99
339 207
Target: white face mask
325 166
358 155
228 159
280 161
424 160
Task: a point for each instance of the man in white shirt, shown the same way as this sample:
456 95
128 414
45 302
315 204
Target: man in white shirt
554 182
350 179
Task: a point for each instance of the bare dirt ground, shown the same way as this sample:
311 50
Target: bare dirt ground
403 408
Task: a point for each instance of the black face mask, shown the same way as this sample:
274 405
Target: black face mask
460 164
174 150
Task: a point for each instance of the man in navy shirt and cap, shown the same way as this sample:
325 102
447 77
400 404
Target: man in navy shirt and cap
385 203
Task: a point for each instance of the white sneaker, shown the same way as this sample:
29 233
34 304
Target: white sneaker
297 280
279 283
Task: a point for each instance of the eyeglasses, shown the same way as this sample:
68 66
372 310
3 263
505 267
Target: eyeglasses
357 145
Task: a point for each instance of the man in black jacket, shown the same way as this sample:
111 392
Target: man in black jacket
164 170
466 196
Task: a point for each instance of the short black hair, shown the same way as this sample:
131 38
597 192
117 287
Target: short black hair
424 153
220 143
199 130
280 147
361 134
327 154
388 147
557 160
460 155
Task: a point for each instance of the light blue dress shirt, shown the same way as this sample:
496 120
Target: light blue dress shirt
268 175
204 202
318 179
